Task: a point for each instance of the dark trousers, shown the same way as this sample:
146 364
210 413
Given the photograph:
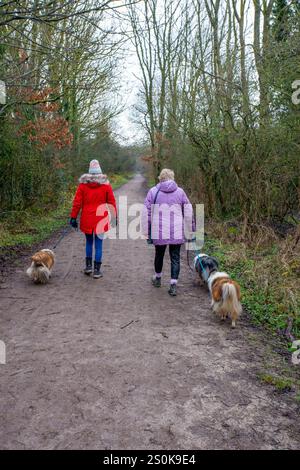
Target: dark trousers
174 251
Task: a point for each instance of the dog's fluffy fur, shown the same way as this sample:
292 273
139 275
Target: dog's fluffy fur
225 296
225 293
204 269
41 266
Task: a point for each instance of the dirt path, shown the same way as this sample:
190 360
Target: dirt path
173 378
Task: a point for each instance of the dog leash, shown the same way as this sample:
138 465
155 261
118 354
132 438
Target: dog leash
187 255
202 267
188 260
198 259
65 232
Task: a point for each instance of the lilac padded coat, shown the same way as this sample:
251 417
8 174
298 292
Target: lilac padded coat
171 220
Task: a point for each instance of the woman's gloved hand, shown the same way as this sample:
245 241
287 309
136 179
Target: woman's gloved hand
190 239
74 223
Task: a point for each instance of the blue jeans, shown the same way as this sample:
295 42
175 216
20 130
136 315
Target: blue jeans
90 239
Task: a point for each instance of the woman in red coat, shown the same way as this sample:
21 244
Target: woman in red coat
93 197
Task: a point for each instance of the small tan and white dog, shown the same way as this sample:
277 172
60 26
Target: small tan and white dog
41 266
225 295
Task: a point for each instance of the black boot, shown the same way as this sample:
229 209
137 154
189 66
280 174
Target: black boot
172 290
88 266
156 281
97 273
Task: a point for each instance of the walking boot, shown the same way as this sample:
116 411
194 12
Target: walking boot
156 281
97 273
88 266
172 290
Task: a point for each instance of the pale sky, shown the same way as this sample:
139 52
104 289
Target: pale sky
126 130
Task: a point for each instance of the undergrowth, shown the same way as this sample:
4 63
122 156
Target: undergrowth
26 227
268 271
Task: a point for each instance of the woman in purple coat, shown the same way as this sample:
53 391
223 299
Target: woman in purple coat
170 222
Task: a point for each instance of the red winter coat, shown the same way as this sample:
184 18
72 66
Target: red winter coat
93 194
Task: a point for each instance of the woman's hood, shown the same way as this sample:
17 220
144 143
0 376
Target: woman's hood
98 179
167 186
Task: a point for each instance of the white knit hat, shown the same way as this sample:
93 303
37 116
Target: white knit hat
95 168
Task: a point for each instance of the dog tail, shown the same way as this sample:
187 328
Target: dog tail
231 302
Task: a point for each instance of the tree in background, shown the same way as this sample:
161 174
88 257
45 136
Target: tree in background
58 60
113 157
228 126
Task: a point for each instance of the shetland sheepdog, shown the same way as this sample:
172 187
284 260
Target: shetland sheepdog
204 266
225 295
41 266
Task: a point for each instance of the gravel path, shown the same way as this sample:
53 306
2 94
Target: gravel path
174 378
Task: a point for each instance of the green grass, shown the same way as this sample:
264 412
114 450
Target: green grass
151 181
270 290
118 180
270 294
24 228
33 225
281 384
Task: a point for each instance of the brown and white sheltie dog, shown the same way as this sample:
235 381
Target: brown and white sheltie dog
41 266
225 295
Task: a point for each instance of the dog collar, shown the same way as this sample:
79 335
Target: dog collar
201 266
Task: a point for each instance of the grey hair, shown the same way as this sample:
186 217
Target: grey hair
166 175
